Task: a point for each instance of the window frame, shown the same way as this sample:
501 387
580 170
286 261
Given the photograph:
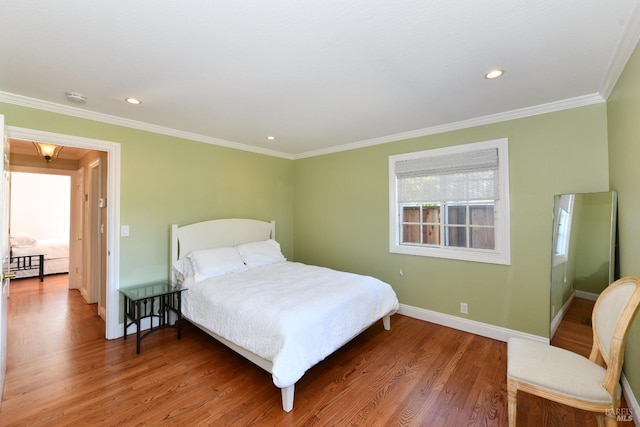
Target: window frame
562 225
502 252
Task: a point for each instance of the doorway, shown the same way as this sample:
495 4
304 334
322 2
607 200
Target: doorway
40 216
81 202
111 184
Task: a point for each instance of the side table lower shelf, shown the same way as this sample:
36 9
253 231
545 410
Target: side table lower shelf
155 301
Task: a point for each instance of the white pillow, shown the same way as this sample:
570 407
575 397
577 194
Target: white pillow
256 254
22 240
183 269
215 262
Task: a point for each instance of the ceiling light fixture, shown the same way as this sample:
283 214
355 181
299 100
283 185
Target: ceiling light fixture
76 97
133 101
271 138
48 153
494 74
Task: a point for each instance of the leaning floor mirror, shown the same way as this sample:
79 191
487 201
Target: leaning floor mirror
583 242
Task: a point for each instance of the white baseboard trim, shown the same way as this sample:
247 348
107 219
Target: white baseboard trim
558 317
466 325
586 295
83 293
145 324
503 334
631 400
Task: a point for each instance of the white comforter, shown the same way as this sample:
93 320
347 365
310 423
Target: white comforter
291 314
51 249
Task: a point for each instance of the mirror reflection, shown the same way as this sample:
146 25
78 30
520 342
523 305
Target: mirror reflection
583 248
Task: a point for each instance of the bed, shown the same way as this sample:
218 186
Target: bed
24 252
283 316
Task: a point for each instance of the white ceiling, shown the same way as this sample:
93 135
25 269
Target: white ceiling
319 75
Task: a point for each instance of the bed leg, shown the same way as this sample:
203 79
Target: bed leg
386 322
287 398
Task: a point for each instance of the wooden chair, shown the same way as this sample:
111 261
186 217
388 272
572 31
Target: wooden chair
560 375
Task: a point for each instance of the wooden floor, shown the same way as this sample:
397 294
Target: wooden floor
61 371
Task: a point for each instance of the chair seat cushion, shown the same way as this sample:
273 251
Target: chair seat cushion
556 369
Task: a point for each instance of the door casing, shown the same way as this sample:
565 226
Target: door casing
112 299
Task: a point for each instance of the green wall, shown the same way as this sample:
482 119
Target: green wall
167 180
624 151
341 216
593 242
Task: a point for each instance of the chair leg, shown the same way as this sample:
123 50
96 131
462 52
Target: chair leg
512 399
609 420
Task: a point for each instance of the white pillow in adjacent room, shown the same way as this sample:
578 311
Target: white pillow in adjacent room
22 240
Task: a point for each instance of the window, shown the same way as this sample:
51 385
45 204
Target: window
451 203
563 227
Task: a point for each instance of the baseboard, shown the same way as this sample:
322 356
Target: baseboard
466 325
145 324
558 317
83 293
586 295
631 400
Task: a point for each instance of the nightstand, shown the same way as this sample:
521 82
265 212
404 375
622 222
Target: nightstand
154 301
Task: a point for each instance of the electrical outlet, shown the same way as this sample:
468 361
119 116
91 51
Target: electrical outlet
464 309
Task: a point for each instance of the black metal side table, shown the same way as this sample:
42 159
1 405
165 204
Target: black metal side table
153 301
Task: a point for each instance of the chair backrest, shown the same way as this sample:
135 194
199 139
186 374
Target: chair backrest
612 316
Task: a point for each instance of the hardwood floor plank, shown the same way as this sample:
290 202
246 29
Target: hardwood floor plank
61 371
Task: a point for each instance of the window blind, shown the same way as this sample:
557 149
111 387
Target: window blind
470 175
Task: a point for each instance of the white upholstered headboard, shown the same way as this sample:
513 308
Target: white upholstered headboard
218 233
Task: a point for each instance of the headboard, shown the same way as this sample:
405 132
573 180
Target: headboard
218 233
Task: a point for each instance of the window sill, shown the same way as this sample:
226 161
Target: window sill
489 257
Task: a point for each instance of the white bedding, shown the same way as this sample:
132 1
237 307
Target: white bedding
56 256
51 249
292 314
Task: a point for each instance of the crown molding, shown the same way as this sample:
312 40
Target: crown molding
551 107
623 51
52 107
464 124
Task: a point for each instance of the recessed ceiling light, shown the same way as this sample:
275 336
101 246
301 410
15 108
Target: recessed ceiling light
133 101
494 74
271 138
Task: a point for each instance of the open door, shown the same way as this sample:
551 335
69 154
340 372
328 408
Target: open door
4 237
76 253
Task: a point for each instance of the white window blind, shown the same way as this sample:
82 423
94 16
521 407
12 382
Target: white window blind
452 202
471 175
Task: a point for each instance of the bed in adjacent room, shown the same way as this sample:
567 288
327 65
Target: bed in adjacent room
283 316
25 249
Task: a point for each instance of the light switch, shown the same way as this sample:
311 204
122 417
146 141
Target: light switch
124 231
